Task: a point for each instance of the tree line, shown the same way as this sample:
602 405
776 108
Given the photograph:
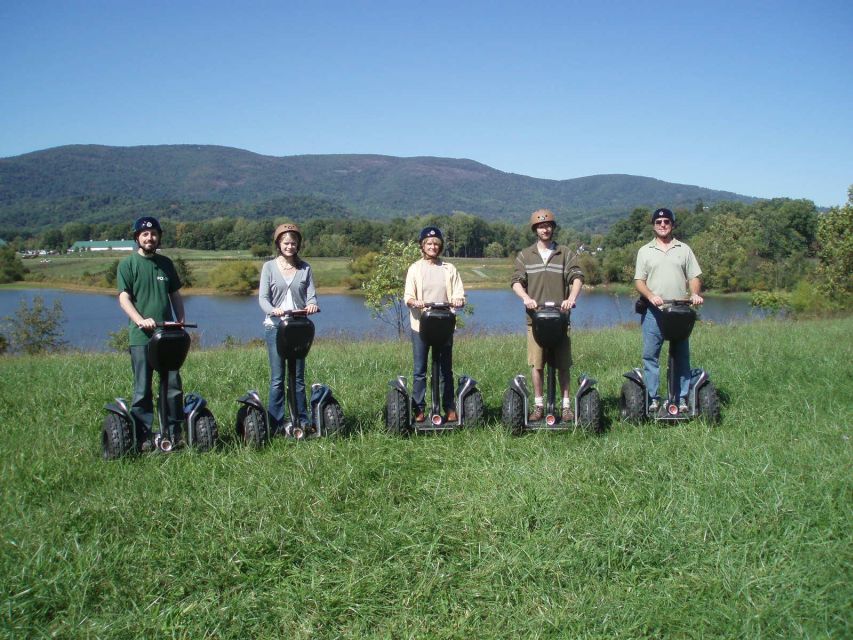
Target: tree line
768 245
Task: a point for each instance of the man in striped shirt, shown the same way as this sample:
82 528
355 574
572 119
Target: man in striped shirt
547 272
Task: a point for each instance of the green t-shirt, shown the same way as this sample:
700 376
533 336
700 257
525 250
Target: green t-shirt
148 281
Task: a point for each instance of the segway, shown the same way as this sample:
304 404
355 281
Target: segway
437 324
549 327
166 351
677 318
293 340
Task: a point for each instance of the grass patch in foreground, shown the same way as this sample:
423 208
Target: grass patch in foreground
736 531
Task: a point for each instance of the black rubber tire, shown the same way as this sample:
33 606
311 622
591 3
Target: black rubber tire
206 431
397 417
252 427
632 402
472 410
589 412
333 419
708 403
116 438
513 412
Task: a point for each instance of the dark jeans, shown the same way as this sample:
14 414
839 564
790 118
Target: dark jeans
652 343
142 407
445 359
278 371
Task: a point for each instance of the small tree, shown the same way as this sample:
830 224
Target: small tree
37 329
185 272
11 267
236 277
835 253
383 289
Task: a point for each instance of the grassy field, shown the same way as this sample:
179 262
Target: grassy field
737 531
86 270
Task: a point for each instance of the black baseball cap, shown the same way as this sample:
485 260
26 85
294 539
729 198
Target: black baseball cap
663 212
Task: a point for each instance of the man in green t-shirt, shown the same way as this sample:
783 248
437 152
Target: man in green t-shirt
148 287
666 269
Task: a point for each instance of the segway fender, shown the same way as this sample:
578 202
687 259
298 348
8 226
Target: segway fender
119 407
399 383
698 379
636 375
252 399
321 395
465 387
518 385
193 404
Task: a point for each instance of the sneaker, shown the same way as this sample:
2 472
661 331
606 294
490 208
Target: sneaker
537 414
683 407
451 416
419 416
567 415
654 405
147 446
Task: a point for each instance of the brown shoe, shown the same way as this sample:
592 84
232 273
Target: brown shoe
568 415
419 416
537 414
451 416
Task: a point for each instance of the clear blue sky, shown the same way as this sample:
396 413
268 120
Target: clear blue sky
751 97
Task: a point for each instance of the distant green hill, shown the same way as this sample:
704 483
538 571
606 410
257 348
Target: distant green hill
93 183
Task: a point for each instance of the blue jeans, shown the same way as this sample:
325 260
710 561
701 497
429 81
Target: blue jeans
445 360
142 406
652 343
278 371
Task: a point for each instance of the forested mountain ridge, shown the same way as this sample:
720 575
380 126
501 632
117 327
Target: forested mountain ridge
370 186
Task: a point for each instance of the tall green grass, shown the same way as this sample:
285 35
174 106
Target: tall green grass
740 530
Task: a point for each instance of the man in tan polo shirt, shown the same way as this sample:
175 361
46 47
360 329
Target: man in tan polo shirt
666 269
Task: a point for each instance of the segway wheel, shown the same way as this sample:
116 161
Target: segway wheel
116 439
632 403
513 412
206 431
589 412
252 427
708 402
397 413
472 409
333 419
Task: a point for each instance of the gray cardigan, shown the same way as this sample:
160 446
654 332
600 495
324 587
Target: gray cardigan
273 288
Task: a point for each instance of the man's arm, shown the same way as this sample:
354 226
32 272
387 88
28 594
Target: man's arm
177 305
521 292
128 307
574 292
695 285
647 293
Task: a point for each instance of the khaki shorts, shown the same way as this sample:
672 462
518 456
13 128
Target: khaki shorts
536 356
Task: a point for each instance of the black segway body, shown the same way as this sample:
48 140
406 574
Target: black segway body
166 351
549 326
294 338
437 324
677 320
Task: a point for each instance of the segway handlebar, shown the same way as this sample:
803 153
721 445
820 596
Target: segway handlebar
176 325
296 312
679 303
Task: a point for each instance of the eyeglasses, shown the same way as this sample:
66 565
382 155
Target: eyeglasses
663 221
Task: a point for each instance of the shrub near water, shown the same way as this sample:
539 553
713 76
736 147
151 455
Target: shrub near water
736 531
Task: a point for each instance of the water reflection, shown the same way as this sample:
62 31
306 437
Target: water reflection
91 317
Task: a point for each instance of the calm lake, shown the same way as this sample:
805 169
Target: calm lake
91 317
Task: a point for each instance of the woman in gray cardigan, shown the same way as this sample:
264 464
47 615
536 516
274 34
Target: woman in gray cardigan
287 284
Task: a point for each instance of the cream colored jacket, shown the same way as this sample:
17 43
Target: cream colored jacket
415 286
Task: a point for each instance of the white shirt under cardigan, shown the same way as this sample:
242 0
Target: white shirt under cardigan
275 292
